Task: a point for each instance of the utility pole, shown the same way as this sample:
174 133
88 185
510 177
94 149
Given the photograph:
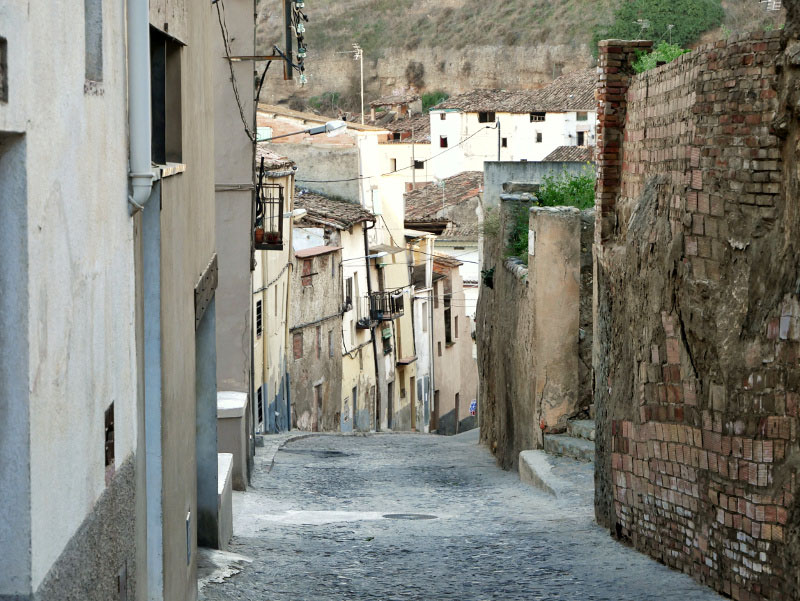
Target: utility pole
358 55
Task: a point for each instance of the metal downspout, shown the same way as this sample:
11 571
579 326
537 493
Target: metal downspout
378 395
141 176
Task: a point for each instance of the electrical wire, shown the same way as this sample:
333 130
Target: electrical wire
363 177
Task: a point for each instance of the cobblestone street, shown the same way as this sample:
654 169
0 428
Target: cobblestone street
320 526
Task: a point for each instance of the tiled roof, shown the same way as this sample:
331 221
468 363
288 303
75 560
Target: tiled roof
322 210
447 261
424 204
583 154
395 99
272 160
571 92
416 128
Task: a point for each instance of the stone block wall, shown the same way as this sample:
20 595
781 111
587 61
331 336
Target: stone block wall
697 313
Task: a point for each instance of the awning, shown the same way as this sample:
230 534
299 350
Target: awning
315 251
385 248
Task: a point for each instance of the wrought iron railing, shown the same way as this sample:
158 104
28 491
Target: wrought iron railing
268 214
385 306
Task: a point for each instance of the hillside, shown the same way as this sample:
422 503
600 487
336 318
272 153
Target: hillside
452 45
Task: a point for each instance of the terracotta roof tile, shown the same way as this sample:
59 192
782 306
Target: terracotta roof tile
272 160
571 92
322 210
430 203
395 99
424 204
583 154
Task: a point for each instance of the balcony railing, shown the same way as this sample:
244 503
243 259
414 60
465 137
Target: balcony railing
385 306
268 224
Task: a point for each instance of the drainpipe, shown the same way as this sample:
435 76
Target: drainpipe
141 175
366 229
139 118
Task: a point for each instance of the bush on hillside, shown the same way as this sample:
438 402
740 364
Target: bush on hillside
690 18
664 53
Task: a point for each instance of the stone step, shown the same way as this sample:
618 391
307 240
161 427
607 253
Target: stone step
581 428
569 446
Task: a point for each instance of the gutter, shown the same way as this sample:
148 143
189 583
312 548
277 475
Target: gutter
139 116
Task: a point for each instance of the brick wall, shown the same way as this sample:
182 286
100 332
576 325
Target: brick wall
697 333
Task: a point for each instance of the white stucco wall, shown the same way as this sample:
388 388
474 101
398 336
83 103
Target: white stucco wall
558 129
80 246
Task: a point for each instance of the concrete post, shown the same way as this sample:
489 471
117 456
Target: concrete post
554 269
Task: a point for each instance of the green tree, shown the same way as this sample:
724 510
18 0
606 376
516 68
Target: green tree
689 18
430 99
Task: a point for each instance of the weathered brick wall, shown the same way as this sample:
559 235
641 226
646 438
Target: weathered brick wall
697 313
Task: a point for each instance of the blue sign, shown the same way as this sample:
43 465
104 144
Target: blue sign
473 407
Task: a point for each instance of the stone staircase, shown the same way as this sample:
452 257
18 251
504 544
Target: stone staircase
577 442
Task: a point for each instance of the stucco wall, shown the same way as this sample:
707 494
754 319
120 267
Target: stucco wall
70 267
187 246
696 338
320 166
533 361
233 175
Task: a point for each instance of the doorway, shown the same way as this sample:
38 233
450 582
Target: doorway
435 412
316 411
389 405
413 400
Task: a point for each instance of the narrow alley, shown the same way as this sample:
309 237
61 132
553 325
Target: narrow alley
333 520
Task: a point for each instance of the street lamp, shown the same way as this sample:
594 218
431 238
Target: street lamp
332 128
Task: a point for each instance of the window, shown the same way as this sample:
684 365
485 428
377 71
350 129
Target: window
348 293
443 141
260 404
439 348
396 136
486 117
442 116
419 164
581 138
258 319
436 295
455 326
535 117
297 345
448 325
538 137
306 274
165 94
3 70
319 341
393 164
504 143
330 343
93 37
424 317
109 443
583 116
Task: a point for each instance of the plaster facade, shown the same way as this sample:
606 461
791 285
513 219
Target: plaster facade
483 142
271 286
455 371
68 327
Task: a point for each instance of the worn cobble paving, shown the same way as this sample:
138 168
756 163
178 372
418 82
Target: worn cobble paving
314 529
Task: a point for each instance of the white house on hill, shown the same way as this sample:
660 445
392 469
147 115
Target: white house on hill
491 125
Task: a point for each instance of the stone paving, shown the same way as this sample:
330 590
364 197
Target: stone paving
315 528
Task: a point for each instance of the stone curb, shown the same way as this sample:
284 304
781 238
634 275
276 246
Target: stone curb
535 469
